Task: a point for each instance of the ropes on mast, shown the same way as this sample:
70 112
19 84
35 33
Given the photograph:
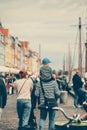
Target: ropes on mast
73 58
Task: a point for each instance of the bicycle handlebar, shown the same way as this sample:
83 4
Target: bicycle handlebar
75 118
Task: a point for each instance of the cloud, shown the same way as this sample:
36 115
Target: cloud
45 22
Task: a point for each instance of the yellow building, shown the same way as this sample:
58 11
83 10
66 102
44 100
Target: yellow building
8 53
16 54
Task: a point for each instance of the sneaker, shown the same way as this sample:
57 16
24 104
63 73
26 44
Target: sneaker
79 106
84 103
75 107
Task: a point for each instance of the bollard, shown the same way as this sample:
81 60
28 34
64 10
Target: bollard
63 97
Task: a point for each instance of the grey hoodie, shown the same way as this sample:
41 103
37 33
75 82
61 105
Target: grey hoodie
45 73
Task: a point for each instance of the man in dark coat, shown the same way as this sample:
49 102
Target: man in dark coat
3 95
78 88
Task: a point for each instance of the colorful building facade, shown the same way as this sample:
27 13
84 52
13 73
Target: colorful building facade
16 54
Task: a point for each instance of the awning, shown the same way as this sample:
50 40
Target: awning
7 69
4 69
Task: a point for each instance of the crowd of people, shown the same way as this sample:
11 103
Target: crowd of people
45 88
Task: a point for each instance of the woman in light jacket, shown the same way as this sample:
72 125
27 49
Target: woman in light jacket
23 87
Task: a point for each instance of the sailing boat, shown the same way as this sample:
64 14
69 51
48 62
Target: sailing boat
71 59
80 55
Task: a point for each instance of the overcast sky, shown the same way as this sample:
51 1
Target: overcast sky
47 23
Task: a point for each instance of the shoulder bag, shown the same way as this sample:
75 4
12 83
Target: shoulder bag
49 102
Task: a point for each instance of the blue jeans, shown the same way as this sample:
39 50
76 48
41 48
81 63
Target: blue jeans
23 110
0 113
81 92
76 97
43 116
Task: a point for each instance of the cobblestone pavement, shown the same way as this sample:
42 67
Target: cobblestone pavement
10 121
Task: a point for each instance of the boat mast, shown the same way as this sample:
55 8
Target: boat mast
86 53
64 63
80 48
69 62
39 50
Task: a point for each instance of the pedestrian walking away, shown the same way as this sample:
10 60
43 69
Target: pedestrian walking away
50 87
32 120
23 87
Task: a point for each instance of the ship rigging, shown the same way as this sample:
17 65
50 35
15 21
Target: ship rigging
80 56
